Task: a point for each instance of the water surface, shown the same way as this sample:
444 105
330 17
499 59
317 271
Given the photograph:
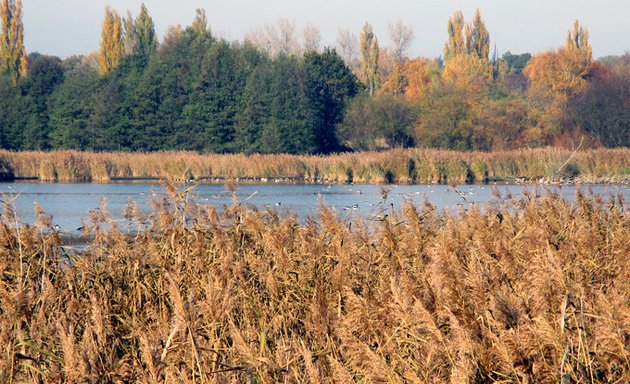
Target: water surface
70 203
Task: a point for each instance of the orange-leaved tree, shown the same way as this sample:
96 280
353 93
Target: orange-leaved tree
555 76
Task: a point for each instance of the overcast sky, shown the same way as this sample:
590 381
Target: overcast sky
67 27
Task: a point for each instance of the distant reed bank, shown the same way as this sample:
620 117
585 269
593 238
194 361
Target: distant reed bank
395 166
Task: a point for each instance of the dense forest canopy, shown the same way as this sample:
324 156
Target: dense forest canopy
273 94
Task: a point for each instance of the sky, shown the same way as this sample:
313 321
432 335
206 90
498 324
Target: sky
70 27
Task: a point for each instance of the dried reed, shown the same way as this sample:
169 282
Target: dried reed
535 289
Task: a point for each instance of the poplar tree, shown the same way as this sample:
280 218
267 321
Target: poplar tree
131 35
370 54
145 32
12 51
112 42
200 23
455 45
140 35
577 41
478 38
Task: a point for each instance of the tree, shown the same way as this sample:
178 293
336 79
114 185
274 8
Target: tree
256 103
515 63
469 73
112 42
44 75
131 36
347 45
413 78
456 45
312 38
200 23
379 122
499 124
285 39
215 99
477 38
370 55
276 39
421 74
12 52
603 109
140 35
556 76
401 36
577 40
330 85
11 115
467 39
290 127
444 120
70 107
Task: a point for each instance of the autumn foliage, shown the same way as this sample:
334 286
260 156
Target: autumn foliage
12 52
272 94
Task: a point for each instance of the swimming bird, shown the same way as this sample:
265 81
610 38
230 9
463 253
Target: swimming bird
353 206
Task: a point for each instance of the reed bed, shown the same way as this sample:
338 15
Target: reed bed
529 289
395 166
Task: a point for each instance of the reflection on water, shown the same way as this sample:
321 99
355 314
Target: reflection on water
70 203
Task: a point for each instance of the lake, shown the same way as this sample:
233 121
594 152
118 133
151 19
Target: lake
70 203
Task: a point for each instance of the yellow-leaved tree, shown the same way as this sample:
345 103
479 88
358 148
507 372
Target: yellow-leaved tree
112 42
12 51
466 54
455 45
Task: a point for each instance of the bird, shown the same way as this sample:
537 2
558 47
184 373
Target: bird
353 206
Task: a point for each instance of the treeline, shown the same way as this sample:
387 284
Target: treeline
269 94
194 92
473 100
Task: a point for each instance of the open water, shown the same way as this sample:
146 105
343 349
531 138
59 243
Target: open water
69 204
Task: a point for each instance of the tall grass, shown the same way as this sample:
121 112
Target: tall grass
396 166
531 289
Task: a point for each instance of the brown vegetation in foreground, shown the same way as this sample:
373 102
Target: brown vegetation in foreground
399 166
533 289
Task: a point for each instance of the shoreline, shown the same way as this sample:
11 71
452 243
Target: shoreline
398 166
612 180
